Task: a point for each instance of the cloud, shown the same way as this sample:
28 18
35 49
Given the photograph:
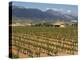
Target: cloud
55 9
68 11
48 8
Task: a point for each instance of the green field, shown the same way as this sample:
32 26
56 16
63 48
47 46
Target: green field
44 41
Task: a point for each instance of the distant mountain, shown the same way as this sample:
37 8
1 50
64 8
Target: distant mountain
62 15
37 14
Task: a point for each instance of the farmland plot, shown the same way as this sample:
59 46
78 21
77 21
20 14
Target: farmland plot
43 41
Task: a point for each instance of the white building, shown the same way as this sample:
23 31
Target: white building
59 24
17 24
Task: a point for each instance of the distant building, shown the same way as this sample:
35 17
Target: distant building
59 24
28 24
17 24
74 23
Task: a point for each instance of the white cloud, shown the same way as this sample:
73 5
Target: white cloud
48 8
55 9
68 11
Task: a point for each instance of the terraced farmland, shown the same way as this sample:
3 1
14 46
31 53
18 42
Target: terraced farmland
43 41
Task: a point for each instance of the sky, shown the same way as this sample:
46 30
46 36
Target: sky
45 6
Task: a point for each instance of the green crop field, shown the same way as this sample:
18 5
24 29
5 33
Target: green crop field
44 41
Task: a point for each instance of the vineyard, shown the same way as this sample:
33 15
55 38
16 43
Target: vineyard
43 41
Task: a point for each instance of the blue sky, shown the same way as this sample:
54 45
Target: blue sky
59 7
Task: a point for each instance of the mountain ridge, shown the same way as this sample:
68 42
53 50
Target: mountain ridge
37 14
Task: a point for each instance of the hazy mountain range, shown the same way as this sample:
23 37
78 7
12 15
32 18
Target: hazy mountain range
37 14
